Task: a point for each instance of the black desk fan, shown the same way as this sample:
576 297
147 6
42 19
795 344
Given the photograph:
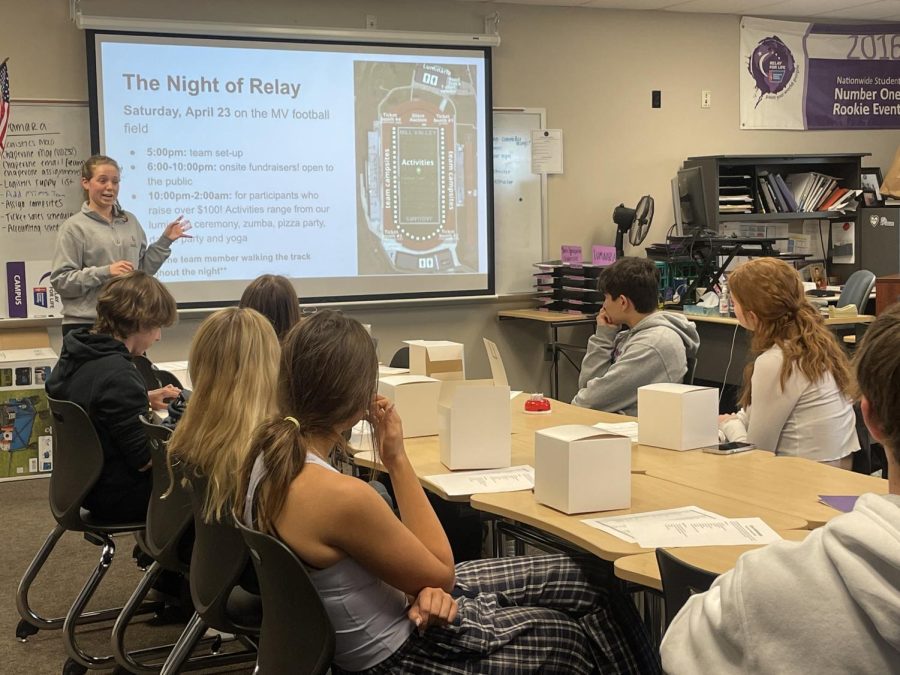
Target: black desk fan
633 222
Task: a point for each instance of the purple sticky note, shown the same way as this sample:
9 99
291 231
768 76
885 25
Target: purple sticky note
571 254
844 503
603 255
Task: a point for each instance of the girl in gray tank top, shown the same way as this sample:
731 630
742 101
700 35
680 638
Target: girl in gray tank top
389 585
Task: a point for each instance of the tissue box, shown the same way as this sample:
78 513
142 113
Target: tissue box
28 289
474 427
678 416
578 469
26 441
439 359
416 398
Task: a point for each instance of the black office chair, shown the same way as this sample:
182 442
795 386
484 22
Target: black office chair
153 377
680 581
167 539
857 290
78 462
297 635
401 358
218 565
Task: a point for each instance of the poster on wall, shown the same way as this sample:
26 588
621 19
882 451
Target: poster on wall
798 75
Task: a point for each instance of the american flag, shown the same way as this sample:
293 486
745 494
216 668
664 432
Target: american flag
4 104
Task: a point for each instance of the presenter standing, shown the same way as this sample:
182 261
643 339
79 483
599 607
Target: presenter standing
102 241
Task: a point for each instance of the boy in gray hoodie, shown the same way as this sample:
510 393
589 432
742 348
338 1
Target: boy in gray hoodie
634 344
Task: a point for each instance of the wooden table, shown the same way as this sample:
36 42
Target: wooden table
647 494
642 568
554 321
425 452
790 485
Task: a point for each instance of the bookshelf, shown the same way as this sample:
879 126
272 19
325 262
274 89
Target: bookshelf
736 185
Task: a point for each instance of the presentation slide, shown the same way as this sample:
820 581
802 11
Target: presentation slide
359 172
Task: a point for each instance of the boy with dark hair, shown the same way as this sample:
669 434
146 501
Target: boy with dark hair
95 370
828 604
634 345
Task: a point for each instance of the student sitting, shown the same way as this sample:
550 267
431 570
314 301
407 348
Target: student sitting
234 370
634 344
95 370
381 578
799 381
828 604
273 296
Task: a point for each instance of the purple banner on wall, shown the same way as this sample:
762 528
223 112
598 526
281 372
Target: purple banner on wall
16 290
819 76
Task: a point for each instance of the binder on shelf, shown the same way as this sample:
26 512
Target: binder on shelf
786 193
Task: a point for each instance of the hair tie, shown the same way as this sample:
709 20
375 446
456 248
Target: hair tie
292 420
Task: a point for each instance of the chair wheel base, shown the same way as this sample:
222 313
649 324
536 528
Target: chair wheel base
72 667
24 630
216 645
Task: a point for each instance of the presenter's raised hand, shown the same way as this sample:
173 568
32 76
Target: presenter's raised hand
177 229
120 267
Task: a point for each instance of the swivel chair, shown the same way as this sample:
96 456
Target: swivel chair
857 290
680 581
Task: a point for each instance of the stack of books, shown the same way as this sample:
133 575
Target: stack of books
806 192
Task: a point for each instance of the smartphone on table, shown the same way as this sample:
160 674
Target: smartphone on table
730 448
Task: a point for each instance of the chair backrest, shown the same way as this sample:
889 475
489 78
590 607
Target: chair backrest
857 289
680 581
170 520
218 561
691 369
77 462
153 377
297 635
401 358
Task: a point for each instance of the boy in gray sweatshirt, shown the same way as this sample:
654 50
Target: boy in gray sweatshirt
634 344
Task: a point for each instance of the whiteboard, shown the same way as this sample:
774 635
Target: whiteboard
40 179
520 200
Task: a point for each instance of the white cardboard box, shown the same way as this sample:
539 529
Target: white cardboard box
578 469
440 359
416 398
28 290
474 425
26 443
678 416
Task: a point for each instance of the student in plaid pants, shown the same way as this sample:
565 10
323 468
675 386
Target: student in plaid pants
396 601
548 614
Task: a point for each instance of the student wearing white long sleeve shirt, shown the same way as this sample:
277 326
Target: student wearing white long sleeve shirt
831 603
794 398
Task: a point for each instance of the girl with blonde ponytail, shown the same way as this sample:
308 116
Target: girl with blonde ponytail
394 596
795 396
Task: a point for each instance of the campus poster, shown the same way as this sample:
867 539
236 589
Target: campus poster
798 75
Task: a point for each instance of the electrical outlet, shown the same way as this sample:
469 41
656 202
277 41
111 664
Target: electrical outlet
656 98
371 22
706 99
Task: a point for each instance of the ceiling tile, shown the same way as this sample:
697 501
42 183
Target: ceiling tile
883 9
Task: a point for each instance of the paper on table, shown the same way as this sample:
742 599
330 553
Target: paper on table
704 532
629 429
476 482
621 526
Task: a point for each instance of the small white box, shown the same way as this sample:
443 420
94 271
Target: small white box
678 416
579 469
416 398
439 359
475 427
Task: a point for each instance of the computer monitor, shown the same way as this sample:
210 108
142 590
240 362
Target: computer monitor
692 199
676 207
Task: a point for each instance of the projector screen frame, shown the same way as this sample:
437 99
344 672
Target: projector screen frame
480 46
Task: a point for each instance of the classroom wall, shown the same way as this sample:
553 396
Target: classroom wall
593 70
